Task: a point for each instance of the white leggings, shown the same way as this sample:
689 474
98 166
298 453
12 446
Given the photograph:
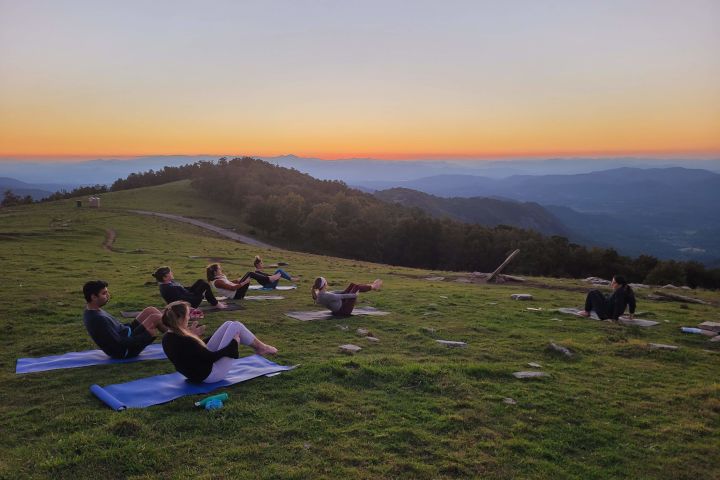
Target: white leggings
219 340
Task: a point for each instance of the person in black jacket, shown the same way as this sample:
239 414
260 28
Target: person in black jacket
118 340
172 291
209 360
612 306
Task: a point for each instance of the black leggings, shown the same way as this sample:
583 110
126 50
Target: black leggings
202 288
258 277
240 292
597 302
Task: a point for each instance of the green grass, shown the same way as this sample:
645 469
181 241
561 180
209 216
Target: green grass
403 408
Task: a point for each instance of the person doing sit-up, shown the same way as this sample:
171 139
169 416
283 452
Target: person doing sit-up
340 302
118 340
613 306
172 291
208 360
269 280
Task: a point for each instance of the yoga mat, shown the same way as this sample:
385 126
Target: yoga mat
264 297
279 287
326 314
83 359
150 391
205 308
637 322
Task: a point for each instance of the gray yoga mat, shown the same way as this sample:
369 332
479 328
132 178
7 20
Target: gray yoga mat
205 308
326 314
263 297
636 322
279 287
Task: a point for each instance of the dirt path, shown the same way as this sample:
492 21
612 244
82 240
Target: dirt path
207 226
109 239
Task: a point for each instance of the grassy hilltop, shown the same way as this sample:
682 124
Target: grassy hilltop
402 408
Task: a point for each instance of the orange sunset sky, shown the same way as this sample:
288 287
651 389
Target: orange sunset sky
391 79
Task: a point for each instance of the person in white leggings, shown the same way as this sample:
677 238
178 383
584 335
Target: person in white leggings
210 360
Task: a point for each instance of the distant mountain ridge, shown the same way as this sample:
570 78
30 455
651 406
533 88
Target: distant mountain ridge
483 211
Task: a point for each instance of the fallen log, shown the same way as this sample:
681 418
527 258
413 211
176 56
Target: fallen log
680 298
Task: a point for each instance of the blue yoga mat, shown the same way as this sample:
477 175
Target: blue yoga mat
83 359
164 388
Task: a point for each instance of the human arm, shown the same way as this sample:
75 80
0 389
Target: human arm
225 284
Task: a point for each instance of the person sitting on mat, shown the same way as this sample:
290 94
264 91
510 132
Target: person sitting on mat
340 302
612 306
172 291
118 340
235 290
270 281
205 361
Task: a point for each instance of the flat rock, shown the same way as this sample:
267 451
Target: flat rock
372 339
560 349
669 285
662 346
534 365
435 279
639 285
350 348
714 326
452 344
597 281
363 332
534 309
428 329
716 338
529 374
521 296
509 401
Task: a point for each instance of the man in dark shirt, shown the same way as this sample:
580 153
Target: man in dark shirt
116 339
172 291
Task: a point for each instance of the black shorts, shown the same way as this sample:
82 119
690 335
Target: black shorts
136 329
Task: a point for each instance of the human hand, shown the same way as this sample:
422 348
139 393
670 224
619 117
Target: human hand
237 338
196 328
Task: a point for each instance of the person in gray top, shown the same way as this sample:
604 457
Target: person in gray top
340 303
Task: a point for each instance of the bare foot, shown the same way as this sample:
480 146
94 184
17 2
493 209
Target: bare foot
294 279
584 313
264 349
377 284
221 305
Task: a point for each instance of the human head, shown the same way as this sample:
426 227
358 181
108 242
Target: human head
318 285
258 261
175 316
161 274
618 281
212 271
97 289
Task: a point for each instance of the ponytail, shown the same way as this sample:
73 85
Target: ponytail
172 318
620 280
319 283
211 271
257 261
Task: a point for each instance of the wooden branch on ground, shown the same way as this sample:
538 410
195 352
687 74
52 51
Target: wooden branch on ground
502 265
680 298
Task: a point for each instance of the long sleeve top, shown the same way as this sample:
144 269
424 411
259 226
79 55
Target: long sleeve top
620 299
174 291
113 338
333 300
192 359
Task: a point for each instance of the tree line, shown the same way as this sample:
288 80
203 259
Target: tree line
297 211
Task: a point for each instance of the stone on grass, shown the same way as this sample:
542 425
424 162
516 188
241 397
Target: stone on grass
428 329
350 348
452 344
509 401
529 374
560 349
521 296
372 339
715 338
343 327
363 332
534 365
713 326
435 279
662 346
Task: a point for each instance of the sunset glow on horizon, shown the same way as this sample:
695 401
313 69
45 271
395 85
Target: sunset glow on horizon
386 80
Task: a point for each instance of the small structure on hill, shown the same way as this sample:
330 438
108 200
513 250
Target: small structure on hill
94 201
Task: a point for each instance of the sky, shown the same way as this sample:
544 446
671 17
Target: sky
339 79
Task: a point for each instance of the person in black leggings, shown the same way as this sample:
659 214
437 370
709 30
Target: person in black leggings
612 306
172 291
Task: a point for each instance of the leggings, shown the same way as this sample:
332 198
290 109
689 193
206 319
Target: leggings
219 340
349 303
202 288
264 279
597 302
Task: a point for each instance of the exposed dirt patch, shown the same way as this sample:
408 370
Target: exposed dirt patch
109 239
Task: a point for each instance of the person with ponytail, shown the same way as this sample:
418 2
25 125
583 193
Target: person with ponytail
172 291
234 289
270 280
612 306
204 361
340 303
